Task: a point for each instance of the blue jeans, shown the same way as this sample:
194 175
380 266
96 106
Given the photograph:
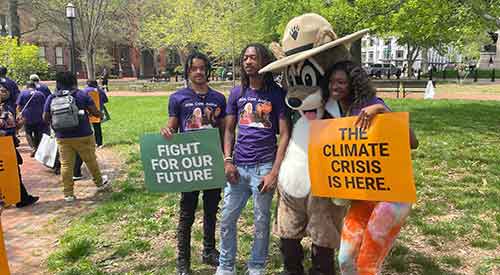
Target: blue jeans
235 199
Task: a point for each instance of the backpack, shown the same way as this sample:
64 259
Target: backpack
64 111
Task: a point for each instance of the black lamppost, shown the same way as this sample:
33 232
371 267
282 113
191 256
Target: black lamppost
3 25
491 65
71 15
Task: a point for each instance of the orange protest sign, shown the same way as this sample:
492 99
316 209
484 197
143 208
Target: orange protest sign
97 101
347 162
9 177
4 265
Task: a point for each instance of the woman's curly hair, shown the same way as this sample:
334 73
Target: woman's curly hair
360 87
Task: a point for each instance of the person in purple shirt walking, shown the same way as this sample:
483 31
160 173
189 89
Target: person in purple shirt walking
195 108
99 97
252 165
40 86
30 108
8 128
11 86
75 141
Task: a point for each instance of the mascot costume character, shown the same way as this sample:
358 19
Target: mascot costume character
309 48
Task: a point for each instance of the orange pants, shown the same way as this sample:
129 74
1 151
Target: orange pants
369 231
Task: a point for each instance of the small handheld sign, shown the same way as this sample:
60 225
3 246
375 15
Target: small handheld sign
350 163
9 176
188 162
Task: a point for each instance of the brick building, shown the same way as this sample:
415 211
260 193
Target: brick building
127 60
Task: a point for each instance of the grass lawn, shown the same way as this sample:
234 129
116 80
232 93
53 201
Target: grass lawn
454 227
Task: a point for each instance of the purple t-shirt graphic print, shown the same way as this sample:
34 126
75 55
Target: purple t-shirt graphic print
196 111
258 113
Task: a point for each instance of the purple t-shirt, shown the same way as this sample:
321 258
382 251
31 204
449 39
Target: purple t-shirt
196 111
374 100
83 101
258 113
12 87
33 111
103 98
44 89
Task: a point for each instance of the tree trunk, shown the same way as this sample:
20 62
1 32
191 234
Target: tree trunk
182 52
356 51
90 62
411 56
156 71
13 20
424 64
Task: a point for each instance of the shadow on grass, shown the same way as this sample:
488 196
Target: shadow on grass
406 261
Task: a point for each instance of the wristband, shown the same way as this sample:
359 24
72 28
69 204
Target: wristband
228 159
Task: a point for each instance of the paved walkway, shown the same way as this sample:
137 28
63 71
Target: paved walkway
31 233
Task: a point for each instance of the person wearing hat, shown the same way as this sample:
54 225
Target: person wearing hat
11 86
40 86
309 48
30 104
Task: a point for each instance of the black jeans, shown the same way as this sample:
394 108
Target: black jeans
189 202
24 194
77 170
35 132
97 133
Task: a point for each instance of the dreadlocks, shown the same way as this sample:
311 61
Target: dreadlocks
360 87
264 57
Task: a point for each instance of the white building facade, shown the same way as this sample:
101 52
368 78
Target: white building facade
376 50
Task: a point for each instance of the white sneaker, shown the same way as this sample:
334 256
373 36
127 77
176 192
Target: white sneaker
77 177
70 198
106 184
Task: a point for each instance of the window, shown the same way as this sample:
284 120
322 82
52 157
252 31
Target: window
370 56
400 54
371 42
387 53
59 56
363 57
41 52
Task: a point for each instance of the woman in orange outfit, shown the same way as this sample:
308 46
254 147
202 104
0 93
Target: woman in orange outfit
370 227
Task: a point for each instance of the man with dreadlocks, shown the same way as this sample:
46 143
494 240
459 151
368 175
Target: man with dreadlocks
252 165
193 108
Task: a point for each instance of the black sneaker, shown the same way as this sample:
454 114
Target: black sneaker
31 200
211 257
183 271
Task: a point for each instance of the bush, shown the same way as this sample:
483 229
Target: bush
21 60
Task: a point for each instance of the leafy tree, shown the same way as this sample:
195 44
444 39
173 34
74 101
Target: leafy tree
21 59
92 25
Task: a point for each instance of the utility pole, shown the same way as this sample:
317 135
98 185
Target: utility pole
13 20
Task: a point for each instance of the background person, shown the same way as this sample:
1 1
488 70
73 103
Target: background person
30 108
76 141
8 128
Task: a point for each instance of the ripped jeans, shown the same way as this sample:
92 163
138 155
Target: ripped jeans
235 199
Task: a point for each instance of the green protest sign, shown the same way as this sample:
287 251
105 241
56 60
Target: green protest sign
188 162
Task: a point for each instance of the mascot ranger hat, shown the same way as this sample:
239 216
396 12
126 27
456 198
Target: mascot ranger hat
306 36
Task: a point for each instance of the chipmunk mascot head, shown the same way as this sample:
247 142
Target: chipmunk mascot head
309 48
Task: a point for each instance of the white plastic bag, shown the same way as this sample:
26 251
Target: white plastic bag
47 151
